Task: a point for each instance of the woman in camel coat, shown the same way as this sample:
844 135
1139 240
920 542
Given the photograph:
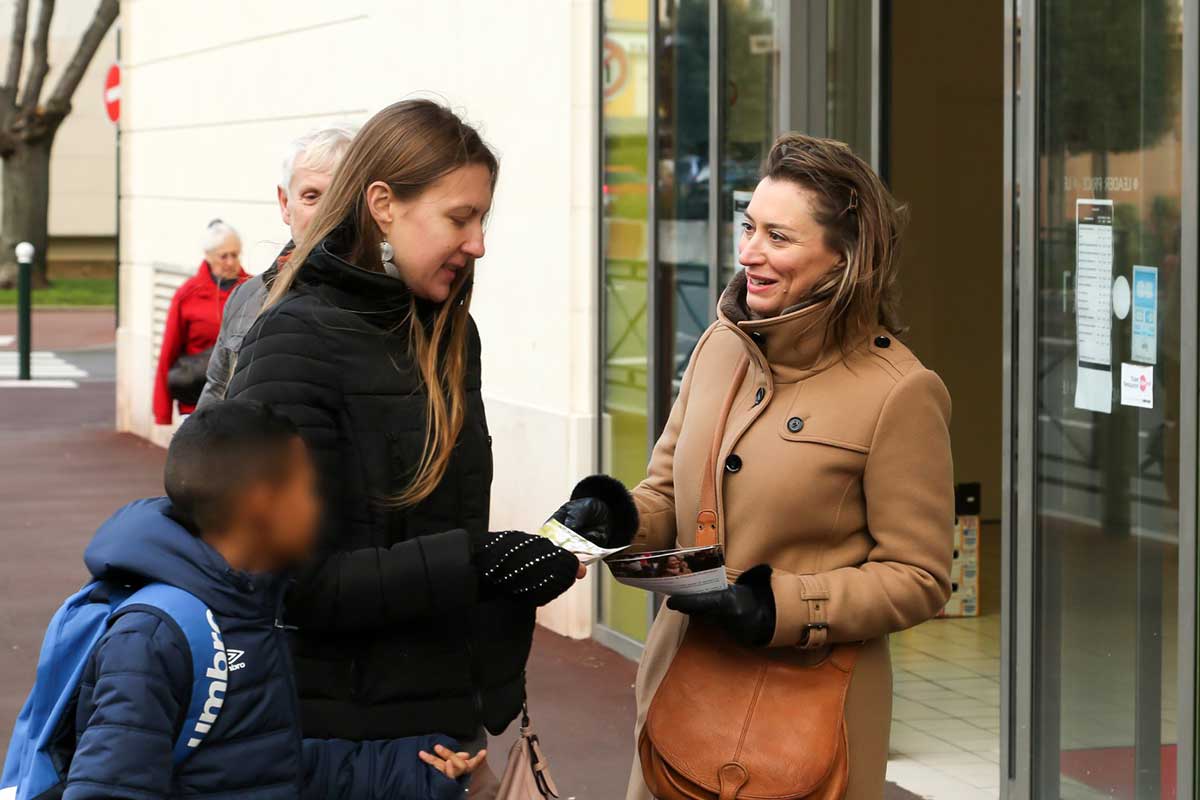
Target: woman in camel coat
834 478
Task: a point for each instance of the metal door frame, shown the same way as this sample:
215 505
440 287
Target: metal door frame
1019 602
1189 332
1016 613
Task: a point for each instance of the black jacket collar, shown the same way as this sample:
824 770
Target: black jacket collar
378 298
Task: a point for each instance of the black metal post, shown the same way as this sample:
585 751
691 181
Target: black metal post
24 307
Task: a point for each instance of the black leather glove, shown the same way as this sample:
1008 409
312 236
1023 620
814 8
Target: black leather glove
602 511
524 567
587 516
745 610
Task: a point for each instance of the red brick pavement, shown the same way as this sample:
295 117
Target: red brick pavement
66 329
63 471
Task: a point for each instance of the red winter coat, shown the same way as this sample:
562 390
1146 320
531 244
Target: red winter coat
192 326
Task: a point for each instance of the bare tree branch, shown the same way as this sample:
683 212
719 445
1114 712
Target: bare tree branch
16 52
41 57
89 43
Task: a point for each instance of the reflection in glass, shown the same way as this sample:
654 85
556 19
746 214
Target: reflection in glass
1107 484
750 118
683 179
849 74
625 196
778 78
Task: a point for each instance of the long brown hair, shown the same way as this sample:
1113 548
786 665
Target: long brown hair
862 222
409 146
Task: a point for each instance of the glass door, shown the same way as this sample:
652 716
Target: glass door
1099 405
693 93
626 244
788 65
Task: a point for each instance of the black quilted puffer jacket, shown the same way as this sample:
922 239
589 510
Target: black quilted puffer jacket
392 638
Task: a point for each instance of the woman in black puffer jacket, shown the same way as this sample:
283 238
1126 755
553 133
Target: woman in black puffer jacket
414 618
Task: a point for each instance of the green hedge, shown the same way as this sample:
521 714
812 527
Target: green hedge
68 292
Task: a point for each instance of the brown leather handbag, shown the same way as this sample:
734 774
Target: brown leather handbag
735 723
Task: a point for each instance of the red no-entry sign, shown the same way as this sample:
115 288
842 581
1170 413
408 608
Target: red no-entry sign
112 93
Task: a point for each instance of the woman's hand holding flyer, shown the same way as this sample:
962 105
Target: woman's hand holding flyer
689 570
585 550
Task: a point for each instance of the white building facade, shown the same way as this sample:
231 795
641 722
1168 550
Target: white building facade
213 92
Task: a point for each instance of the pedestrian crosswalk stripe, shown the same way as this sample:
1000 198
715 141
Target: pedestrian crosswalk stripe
37 384
42 364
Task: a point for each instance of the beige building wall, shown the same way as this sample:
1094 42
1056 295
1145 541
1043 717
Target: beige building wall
215 90
83 170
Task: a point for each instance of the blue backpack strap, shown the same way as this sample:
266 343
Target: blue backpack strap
210 666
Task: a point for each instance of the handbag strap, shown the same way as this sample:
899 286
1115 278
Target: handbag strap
708 528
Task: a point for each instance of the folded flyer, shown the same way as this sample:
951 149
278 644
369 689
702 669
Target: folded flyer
586 550
689 570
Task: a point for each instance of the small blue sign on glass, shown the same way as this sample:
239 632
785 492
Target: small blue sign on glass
1145 314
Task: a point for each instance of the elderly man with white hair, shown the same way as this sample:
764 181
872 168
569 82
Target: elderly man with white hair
308 167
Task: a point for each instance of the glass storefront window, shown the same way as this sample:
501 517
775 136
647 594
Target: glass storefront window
850 76
750 114
1109 156
779 75
1098 439
764 54
625 195
684 174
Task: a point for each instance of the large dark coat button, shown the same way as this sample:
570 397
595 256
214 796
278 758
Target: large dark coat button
883 341
733 463
795 424
759 395
758 338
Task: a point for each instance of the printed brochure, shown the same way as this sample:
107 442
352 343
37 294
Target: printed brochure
690 570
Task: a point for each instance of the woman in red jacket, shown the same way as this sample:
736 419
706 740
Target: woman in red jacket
195 318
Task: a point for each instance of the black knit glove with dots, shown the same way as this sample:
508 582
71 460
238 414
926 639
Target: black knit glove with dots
527 568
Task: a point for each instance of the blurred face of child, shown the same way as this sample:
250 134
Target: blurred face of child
281 512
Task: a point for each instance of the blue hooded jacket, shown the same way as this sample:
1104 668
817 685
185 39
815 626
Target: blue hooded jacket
138 681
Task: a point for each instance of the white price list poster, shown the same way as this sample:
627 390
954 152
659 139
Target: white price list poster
1093 304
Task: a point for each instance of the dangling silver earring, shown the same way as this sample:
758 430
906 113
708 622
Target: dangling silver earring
386 253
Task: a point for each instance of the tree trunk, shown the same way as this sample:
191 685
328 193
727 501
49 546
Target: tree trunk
24 216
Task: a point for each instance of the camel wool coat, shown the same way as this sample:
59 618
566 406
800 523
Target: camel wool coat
835 469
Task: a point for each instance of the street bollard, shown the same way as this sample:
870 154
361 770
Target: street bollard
24 307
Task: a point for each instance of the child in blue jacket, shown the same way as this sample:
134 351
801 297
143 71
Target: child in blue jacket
241 507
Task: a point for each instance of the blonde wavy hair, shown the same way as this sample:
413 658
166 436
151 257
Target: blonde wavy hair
409 146
862 222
